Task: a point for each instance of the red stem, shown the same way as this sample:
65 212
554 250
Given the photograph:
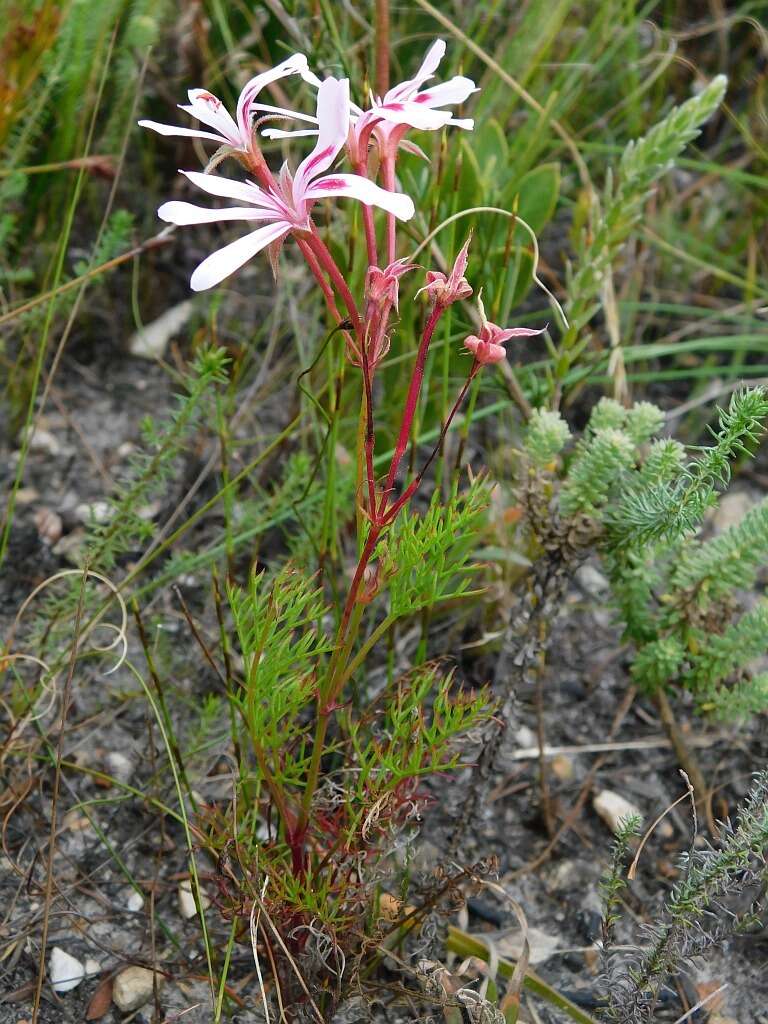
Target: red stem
316 269
388 181
382 46
357 579
411 401
329 265
361 168
414 485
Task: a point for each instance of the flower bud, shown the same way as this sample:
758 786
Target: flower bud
448 288
488 346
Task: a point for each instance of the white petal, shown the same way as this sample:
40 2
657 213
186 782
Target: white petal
311 78
333 127
267 108
357 187
187 213
414 115
429 65
457 90
243 191
172 129
226 261
296 64
278 133
462 122
209 109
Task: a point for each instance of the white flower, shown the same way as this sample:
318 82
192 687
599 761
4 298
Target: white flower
286 206
407 105
207 108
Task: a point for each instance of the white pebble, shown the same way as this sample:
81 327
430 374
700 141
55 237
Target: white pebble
119 766
65 971
613 809
135 902
187 905
132 988
151 341
92 967
94 512
42 441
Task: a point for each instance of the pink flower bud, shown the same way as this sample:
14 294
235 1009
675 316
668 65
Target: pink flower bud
488 346
448 288
485 352
383 286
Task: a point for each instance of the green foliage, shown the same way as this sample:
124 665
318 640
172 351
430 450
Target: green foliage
677 594
667 509
696 915
613 884
546 435
428 557
421 719
151 468
276 624
600 463
642 163
722 564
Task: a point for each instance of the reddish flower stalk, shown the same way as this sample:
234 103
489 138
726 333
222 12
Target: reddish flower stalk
414 485
388 179
411 402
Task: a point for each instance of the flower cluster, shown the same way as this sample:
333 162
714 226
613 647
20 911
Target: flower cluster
281 205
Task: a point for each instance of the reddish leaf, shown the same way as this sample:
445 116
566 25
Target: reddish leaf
100 1001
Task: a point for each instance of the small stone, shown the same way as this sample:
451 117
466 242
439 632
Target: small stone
562 767
74 821
591 580
119 766
92 967
187 905
525 737
65 971
613 809
27 496
731 509
152 340
541 945
133 987
71 547
49 525
135 902
42 441
94 512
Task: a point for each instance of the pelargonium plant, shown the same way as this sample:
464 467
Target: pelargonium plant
327 843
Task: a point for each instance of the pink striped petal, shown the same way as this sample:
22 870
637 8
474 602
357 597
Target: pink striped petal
172 129
187 213
456 90
226 261
267 108
209 109
296 64
356 187
516 332
333 125
413 115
